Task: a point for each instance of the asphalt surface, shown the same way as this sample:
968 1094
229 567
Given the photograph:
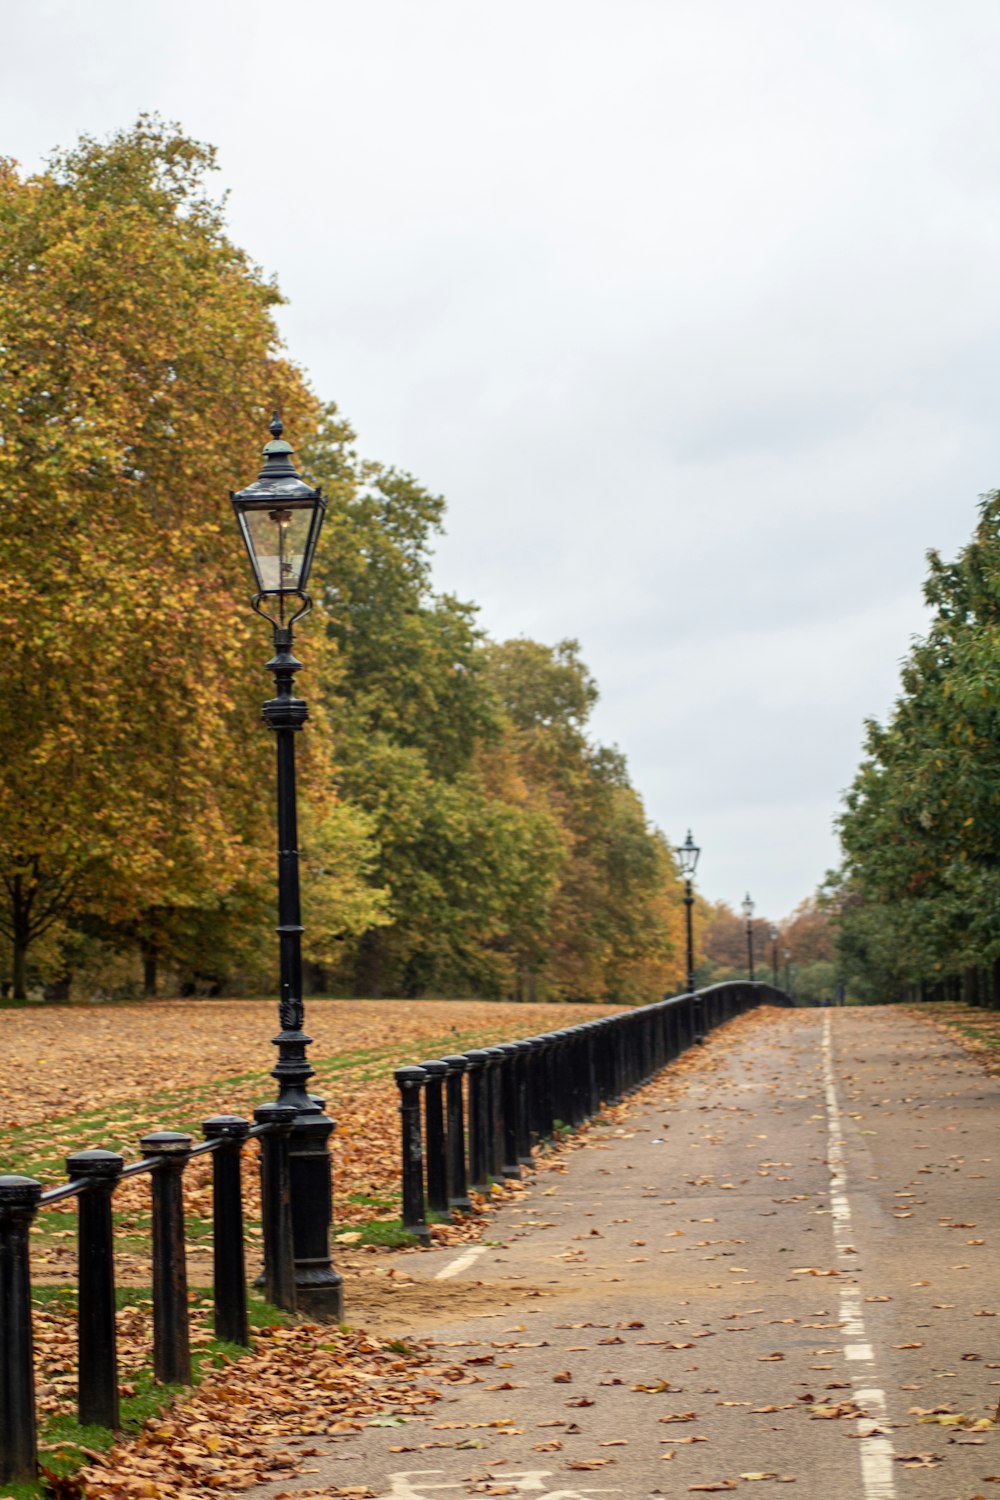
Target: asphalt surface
773 1275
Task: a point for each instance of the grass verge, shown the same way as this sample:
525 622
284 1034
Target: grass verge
64 1445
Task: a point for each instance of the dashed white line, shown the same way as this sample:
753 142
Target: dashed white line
459 1264
876 1450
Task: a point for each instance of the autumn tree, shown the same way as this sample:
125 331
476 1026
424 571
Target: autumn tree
615 926
137 361
461 829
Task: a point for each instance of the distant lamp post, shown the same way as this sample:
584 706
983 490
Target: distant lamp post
748 910
774 953
687 857
788 969
280 517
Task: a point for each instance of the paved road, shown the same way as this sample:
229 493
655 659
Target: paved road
749 1283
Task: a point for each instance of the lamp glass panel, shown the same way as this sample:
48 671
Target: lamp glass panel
278 539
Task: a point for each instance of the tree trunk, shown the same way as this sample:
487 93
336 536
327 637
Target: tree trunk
20 975
368 970
150 958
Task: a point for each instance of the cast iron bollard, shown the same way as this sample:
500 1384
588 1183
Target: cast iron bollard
410 1081
547 1080
494 1067
523 1103
171 1342
280 1287
459 1195
97 1375
229 1266
518 1091
436 1145
509 1165
536 1086
478 1162
18 1434
593 1085
576 1105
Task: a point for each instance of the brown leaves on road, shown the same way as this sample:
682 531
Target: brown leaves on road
225 1436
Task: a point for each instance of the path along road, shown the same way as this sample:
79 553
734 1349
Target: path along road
749 1282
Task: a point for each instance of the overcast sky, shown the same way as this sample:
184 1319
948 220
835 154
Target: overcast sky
690 308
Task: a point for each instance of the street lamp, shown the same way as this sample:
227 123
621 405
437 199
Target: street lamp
788 970
280 516
748 914
687 857
774 953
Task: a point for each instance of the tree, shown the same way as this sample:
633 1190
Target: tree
615 928
921 823
129 399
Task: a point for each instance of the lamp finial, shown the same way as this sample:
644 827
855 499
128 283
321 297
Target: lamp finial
276 427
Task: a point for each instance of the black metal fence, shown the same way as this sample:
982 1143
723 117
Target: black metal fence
93 1179
459 1136
480 1112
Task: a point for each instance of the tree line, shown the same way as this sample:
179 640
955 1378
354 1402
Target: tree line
462 830
918 899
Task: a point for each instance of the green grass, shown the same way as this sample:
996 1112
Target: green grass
386 1232
24 1151
981 1026
185 1108
61 1439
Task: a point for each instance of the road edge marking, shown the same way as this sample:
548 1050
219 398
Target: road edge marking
459 1264
876 1451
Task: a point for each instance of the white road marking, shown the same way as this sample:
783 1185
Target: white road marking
456 1266
876 1451
527 1483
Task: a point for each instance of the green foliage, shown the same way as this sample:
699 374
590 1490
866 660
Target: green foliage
919 897
460 829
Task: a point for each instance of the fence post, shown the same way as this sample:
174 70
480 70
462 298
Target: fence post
459 1196
533 1086
171 1341
229 1265
436 1149
494 1065
522 1115
509 1164
478 1163
97 1373
591 1080
276 1204
18 1434
409 1082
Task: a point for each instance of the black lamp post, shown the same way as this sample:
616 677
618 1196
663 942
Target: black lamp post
280 518
687 857
774 953
788 970
748 914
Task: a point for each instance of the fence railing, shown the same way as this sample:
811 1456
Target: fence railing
94 1177
459 1136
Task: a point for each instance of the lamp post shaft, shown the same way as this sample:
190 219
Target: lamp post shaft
318 1286
750 946
689 907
